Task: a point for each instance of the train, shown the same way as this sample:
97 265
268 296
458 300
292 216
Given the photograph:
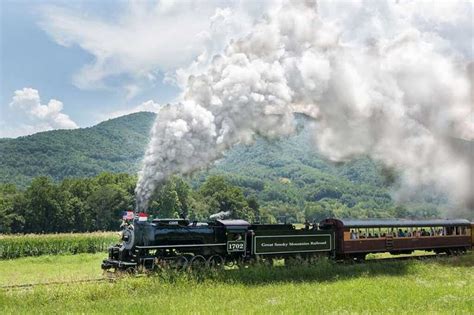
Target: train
182 244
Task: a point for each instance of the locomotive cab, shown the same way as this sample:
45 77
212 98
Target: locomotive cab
237 236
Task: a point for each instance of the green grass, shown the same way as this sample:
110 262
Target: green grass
416 253
15 246
47 268
440 285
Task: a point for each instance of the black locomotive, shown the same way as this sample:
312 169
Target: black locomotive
179 243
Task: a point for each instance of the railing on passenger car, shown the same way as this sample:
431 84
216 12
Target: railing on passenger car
410 232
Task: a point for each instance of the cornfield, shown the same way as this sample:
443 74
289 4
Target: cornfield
14 246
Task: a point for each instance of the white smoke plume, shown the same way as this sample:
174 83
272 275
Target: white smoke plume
221 215
386 87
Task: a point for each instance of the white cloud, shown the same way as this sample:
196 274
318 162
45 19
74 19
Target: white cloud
146 37
30 116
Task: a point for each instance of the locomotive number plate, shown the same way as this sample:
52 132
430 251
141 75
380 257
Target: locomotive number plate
235 246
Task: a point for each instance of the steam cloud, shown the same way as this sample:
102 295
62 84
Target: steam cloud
399 96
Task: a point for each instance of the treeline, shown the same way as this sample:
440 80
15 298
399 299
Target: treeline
97 203
91 204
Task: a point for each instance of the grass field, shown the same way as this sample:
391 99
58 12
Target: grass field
29 270
436 285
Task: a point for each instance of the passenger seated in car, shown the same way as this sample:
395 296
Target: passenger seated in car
400 233
306 225
353 235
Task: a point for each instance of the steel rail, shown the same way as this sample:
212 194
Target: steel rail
31 285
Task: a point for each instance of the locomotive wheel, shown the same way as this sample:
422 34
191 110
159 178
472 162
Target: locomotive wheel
268 262
131 271
180 262
229 263
197 262
293 261
215 262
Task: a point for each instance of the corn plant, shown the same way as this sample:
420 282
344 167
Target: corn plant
14 246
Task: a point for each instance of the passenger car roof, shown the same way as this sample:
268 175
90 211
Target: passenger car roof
352 223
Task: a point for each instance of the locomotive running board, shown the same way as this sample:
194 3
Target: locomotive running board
188 245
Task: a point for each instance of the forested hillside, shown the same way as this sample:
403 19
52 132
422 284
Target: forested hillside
271 180
290 179
116 145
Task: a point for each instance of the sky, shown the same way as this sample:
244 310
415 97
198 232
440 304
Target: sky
70 64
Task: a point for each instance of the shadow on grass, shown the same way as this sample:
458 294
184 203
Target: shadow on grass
321 271
466 260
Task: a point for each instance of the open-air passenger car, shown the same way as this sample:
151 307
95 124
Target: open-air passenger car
357 238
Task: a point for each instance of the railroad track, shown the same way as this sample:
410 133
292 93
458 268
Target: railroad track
32 285
112 278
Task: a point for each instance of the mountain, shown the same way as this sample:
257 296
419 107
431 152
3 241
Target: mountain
116 145
284 174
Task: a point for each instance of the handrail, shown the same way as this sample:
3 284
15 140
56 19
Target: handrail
405 237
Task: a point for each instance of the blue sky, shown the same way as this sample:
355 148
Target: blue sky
32 58
69 64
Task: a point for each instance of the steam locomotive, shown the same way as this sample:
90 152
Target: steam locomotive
179 243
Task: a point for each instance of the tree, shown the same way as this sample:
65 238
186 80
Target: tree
266 216
9 218
198 208
285 213
252 202
316 211
107 204
221 196
42 208
172 199
183 193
